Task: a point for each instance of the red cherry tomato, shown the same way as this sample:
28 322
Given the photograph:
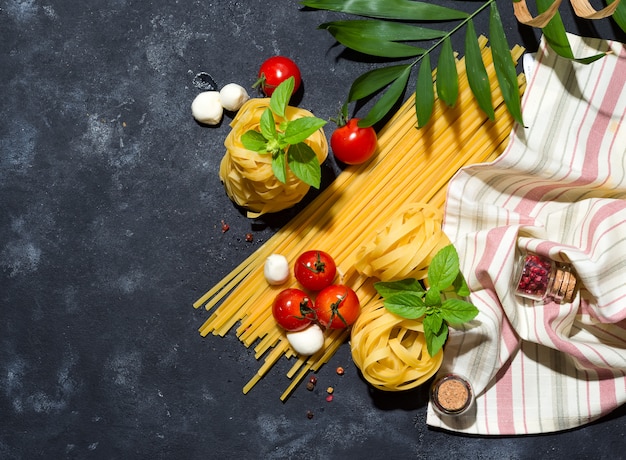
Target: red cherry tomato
276 70
293 309
315 270
353 145
337 306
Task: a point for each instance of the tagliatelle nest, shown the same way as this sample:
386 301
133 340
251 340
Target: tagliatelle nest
405 247
248 177
391 351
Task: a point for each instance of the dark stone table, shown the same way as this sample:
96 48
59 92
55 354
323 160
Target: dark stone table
110 211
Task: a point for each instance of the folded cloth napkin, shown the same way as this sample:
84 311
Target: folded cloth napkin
559 190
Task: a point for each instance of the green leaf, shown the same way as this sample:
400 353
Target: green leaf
374 80
268 125
384 30
620 14
406 10
424 92
373 46
301 128
279 166
460 285
503 63
254 140
457 311
435 337
477 73
280 97
406 305
447 76
304 164
433 298
387 100
389 288
444 268
556 36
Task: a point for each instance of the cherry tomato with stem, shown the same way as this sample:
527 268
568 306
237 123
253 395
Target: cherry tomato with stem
352 144
315 270
293 309
274 71
337 307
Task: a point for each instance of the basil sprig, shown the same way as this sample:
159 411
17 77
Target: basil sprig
408 299
285 142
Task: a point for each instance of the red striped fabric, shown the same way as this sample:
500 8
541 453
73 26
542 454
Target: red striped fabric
558 190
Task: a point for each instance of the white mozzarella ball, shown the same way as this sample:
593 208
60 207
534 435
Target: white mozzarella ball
307 341
276 269
233 96
207 108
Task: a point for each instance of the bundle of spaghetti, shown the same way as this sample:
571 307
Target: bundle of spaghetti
410 166
391 351
248 177
405 247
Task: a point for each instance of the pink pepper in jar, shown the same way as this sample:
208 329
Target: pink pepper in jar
542 279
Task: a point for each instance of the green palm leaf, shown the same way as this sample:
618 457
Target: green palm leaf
620 14
374 46
556 36
447 76
476 73
388 99
504 65
407 10
374 80
424 92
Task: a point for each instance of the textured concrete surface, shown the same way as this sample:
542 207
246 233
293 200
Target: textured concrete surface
110 210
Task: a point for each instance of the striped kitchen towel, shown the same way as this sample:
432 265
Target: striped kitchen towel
558 190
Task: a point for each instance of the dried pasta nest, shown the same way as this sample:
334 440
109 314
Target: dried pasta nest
391 351
406 246
248 177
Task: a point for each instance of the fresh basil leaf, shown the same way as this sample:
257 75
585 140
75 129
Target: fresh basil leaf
444 268
304 164
476 73
424 92
460 285
457 311
447 76
374 46
281 96
254 140
436 333
279 166
387 100
389 288
374 80
268 125
504 66
406 10
432 298
406 306
301 128
384 30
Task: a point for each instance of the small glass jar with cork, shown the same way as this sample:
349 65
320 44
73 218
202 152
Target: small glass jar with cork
451 394
542 279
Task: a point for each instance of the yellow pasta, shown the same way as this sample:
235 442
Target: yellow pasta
410 166
405 247
248 177
391 351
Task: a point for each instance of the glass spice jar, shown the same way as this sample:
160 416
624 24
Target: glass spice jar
451 394
542 279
